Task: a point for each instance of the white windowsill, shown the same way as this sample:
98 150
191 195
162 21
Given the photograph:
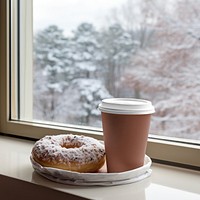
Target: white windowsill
166 182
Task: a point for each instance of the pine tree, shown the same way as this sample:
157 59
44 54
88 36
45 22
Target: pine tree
118 46
50 64
65 77
86 49
88 91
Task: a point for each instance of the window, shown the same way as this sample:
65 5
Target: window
58 75
81 58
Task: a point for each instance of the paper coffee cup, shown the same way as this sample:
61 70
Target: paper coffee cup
126 123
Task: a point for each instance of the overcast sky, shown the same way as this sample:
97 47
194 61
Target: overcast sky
68 14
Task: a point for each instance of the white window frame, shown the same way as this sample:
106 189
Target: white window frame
160 150
26 59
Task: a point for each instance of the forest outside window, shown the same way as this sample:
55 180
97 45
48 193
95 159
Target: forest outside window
124 48
66 58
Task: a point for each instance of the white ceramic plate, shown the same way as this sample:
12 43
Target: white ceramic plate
106 179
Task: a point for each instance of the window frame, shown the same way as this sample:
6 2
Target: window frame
159 148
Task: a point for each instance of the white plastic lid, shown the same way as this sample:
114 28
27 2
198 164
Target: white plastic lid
126 106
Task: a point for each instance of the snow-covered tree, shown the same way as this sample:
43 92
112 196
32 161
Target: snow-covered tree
62 64
117 46
167 72
86 95
88 87
86 49
50 65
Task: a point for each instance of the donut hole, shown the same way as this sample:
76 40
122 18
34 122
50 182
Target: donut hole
71 146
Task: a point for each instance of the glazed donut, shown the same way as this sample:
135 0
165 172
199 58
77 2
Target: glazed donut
69 152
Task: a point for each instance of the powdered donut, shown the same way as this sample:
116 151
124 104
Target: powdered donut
69 152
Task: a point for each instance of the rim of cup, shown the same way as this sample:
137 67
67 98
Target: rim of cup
126 106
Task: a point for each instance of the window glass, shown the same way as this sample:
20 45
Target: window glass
85 51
